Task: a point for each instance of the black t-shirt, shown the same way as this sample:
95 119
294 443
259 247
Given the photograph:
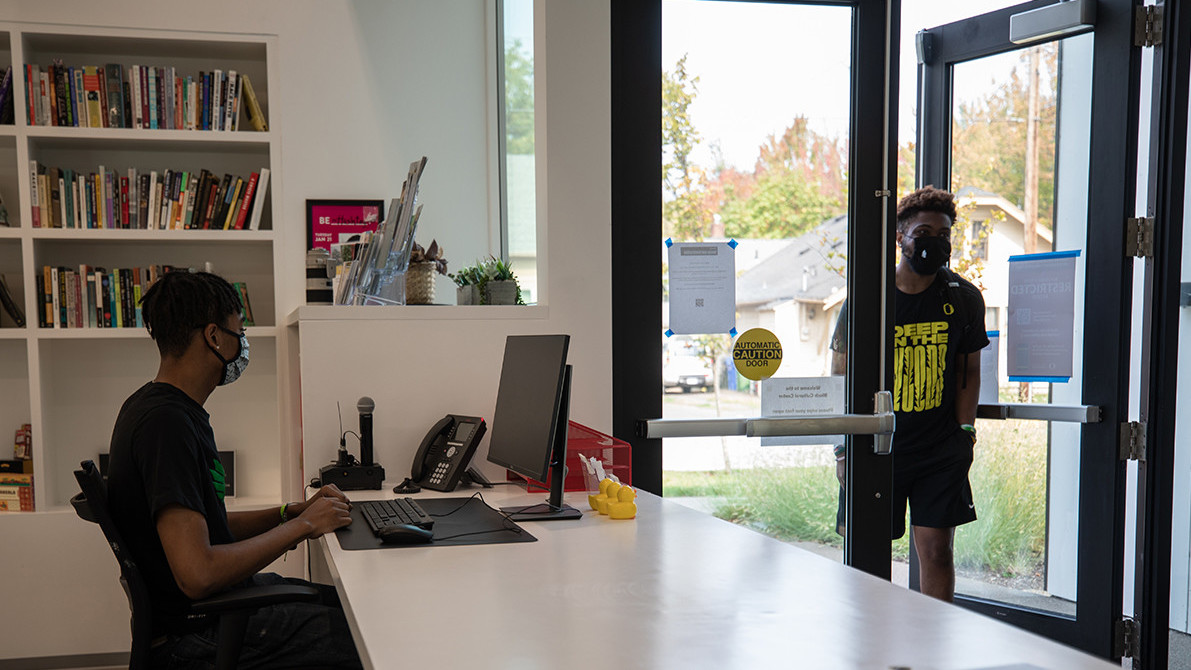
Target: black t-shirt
163 453
929 334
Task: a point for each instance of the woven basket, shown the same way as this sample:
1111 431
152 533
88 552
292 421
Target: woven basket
419 283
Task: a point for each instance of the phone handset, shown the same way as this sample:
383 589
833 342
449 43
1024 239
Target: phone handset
443 457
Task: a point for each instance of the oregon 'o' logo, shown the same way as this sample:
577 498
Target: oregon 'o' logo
757 354
948 309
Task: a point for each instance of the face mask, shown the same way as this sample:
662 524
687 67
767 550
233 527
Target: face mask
234 367
928 254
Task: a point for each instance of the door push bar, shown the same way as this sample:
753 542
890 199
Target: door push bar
880 424
1041 412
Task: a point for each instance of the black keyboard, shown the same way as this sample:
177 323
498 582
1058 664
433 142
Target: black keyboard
398 512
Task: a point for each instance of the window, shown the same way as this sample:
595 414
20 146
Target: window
980 240
518 205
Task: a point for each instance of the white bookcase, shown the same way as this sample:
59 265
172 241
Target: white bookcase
69 383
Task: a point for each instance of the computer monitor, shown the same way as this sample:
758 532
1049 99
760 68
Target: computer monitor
529 427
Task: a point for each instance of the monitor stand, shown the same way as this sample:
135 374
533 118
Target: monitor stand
554 508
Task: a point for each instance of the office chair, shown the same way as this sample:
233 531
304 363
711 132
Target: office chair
232 608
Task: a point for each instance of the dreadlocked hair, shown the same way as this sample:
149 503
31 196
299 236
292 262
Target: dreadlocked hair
181 302
925 199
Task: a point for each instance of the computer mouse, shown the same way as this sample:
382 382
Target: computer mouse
404 534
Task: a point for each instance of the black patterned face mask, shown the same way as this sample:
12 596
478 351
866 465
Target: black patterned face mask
929 254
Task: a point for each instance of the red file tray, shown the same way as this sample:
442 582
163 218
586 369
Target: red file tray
617 457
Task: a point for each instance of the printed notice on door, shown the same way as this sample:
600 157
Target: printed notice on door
702 288
1041 319
792 397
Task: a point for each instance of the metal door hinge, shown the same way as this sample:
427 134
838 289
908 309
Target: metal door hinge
1147 26
1133 441
1125 643
1139 237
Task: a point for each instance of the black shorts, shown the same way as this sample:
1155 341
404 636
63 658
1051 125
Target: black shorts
935 483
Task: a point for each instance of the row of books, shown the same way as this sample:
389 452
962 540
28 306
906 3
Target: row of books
173 199
139 96
93 297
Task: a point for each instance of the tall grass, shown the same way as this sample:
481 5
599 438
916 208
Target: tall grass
799 503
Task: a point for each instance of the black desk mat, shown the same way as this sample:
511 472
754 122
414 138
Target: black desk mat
473 523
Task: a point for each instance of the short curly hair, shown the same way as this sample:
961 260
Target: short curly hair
925 199
180 303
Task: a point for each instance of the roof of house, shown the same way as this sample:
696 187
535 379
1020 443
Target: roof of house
801 270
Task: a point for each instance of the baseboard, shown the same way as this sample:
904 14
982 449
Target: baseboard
112 660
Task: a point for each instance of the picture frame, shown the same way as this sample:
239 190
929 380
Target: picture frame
338 221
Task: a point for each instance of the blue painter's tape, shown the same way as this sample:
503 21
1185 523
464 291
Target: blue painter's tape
1051 380
733 331
669 242
993 333
733 243
669 333
1050 255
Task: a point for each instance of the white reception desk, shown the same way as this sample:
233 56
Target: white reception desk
673 588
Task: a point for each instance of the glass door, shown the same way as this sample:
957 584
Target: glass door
1038 140
778 169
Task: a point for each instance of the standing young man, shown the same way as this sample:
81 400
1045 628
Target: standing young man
938 334
165 492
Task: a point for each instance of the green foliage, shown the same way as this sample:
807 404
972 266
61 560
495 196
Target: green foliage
684 215
782 205
989 135
518 99
799 504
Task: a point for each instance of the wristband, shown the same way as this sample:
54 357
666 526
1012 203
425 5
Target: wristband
839 450
971 430
284 516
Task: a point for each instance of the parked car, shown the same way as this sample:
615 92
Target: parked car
687 373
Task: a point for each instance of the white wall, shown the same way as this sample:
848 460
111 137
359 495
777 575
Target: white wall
365 87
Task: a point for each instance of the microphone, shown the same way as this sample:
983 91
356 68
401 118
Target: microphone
365 405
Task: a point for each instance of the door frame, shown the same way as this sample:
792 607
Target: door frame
1106 360
1160 336
636 33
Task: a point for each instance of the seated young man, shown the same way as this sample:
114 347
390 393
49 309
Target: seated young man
165 492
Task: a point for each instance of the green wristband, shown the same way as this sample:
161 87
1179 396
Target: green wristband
971 430
284 517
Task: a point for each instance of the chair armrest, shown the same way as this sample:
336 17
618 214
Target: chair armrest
79 502
254 597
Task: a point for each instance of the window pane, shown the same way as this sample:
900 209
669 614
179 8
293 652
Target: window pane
520 200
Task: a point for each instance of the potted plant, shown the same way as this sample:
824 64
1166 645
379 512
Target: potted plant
467 282
500 287
424 263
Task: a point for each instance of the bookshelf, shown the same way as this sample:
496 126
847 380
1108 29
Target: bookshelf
69 383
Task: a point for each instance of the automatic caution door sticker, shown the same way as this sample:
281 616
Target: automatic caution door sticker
757 354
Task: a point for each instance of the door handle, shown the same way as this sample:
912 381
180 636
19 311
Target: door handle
880 424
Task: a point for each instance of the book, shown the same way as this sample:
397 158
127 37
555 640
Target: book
79 104
246 201
103 96
47 302
16 492
115 94
228 100
64 114
34 198
91 88
252 106
230 205
7 114
55 199
242 290
258 201
10 304
23 449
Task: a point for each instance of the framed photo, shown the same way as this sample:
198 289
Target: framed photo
339 221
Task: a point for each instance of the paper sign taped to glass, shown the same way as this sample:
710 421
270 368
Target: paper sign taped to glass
792 397
702 288
1041 323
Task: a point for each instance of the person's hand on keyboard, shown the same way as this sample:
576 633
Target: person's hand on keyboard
328 491
324 514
